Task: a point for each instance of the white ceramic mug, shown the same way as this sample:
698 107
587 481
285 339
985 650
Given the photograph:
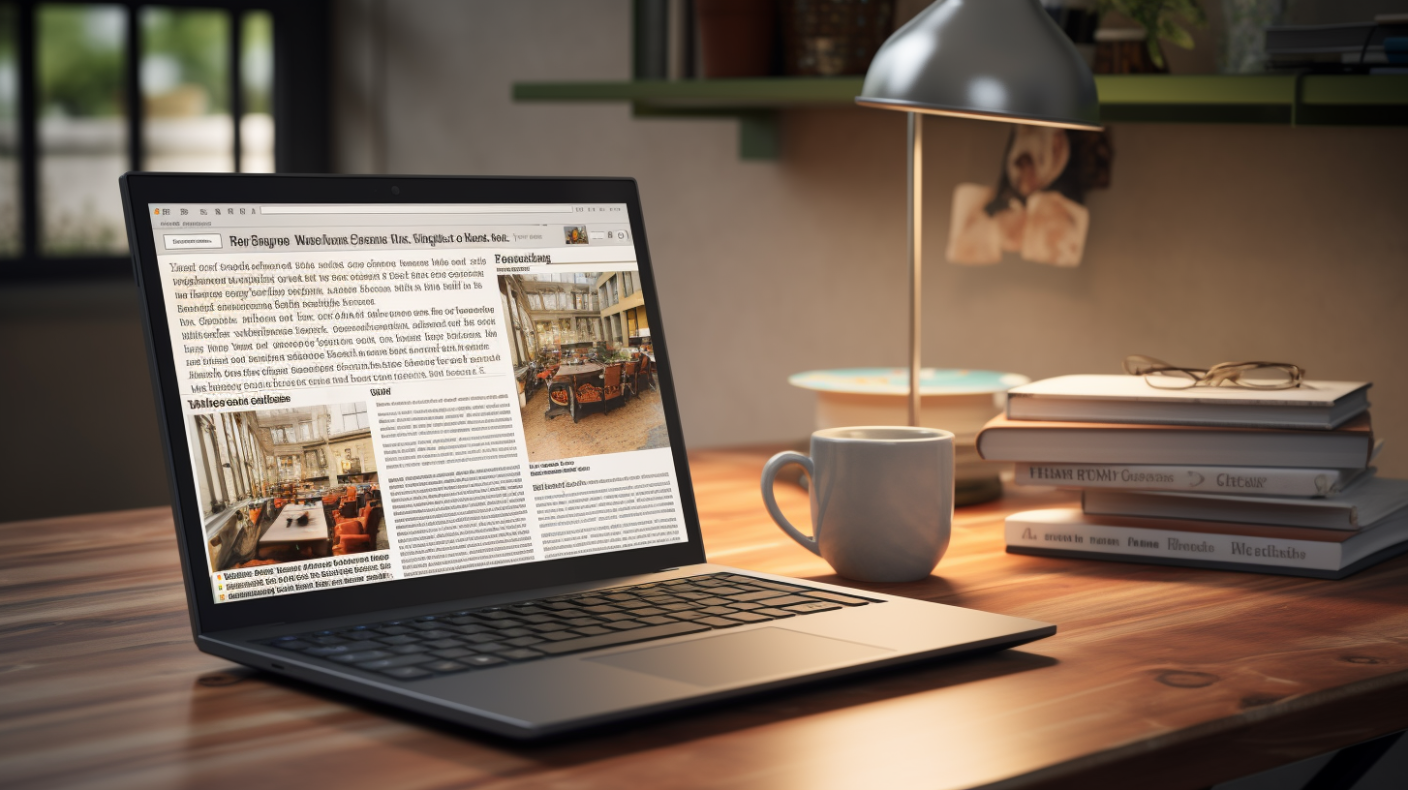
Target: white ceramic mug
882 500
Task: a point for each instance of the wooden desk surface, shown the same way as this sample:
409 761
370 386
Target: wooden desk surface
1159 677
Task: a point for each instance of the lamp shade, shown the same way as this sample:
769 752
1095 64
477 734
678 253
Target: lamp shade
999 60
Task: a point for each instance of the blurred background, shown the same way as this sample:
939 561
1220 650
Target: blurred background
1213 242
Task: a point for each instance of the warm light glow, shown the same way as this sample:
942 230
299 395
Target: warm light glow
980 116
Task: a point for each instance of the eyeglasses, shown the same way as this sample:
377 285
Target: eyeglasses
1249 375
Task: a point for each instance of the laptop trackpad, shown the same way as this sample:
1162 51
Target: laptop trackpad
742 657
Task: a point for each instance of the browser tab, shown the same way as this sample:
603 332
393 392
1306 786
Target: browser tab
192 241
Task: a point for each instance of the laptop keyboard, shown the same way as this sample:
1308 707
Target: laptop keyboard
452 642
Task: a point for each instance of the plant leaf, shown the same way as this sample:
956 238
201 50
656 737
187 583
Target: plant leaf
1156 53
1190 10
1156 17
1174 34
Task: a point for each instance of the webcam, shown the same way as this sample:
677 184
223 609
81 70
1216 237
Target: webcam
395 190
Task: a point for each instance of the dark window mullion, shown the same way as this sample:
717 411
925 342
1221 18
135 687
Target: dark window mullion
300 46
134 86
28 132
236 92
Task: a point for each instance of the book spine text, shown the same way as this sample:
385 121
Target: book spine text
1264 481
1137 541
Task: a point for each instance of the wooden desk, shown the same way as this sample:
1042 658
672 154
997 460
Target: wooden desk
1159 678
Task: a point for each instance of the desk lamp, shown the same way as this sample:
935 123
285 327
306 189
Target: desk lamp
994 60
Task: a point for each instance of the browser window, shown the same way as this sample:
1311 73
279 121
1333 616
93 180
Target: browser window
380 392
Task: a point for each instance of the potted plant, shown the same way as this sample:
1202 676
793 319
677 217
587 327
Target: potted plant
1157 18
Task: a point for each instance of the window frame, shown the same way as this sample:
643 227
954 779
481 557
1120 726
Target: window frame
300 106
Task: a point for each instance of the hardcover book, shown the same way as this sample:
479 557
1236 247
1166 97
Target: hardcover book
1293 551
1128 399
1260 481
1359 507
1347 447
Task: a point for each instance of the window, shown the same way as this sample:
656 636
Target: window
353 417
290 468
89 91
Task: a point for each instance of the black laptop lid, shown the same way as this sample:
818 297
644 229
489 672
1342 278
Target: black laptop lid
380 392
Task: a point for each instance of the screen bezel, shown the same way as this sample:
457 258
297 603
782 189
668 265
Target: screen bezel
141 189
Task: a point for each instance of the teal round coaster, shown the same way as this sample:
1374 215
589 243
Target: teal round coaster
895 381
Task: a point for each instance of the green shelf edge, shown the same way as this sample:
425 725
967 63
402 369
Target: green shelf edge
1115 89
1313 99
757 92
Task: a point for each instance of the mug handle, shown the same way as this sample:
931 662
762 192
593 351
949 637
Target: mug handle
770 470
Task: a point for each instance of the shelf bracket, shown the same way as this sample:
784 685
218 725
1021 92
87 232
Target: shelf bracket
1296 93
759 136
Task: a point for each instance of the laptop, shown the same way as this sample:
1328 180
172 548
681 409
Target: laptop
424 448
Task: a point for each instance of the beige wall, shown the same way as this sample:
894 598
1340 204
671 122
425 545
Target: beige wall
1214 242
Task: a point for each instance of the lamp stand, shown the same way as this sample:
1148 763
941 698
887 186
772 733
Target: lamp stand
916 263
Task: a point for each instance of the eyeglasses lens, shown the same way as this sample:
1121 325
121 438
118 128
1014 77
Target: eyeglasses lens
1139 365
1171 379
1268 377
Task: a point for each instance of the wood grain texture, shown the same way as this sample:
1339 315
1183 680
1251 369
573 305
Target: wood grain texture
1159 678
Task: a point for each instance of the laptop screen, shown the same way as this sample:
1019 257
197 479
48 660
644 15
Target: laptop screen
381 392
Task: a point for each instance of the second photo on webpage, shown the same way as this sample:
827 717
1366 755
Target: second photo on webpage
581 349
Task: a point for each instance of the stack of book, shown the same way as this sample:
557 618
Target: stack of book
1380 43
1270 481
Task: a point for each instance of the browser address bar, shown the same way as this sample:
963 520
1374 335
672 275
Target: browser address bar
439 208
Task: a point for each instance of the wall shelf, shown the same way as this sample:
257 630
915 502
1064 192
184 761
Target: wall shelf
1314 99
